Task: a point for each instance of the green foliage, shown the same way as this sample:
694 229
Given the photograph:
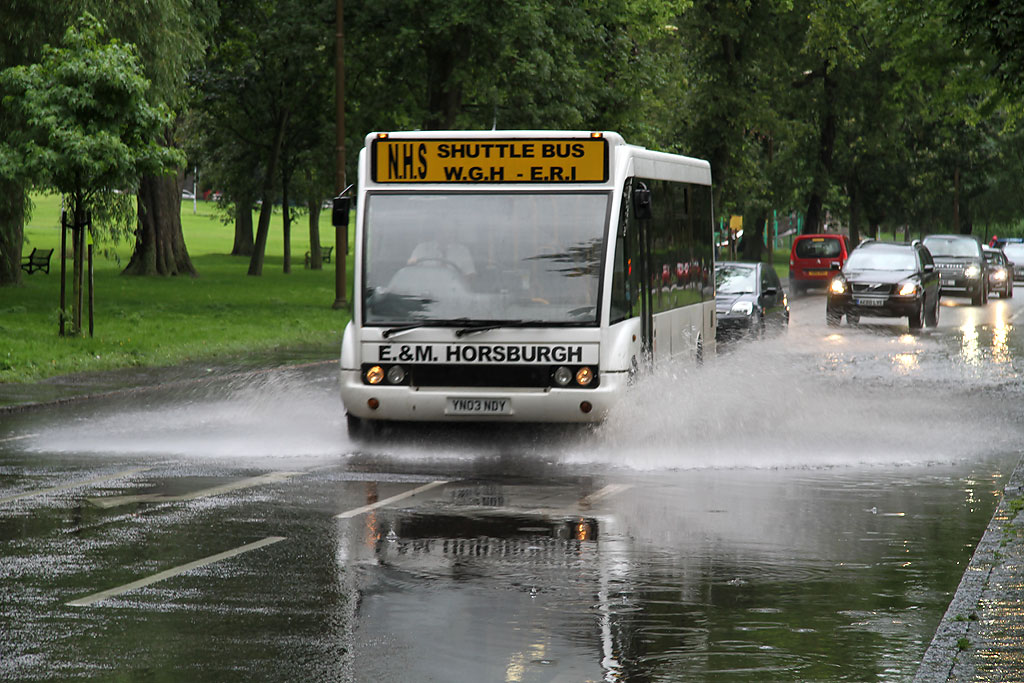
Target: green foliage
86 125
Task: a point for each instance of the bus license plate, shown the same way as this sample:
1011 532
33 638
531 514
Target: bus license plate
870 302
479 406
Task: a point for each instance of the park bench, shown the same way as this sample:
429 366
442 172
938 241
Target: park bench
325 255
39 259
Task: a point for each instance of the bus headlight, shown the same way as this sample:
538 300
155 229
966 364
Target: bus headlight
563 376
375 374
396 374
584 376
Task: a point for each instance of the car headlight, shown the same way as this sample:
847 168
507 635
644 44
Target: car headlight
908 289
972 271
838 286
999 274
744 307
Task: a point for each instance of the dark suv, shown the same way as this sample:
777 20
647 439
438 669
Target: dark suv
961 265
887 280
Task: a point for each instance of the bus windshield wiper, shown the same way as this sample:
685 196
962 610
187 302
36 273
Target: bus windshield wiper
391 331
472 326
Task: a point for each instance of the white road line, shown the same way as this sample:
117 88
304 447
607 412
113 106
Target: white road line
387 501
160 576
270 478
610 490
76 484
1016 315
17 438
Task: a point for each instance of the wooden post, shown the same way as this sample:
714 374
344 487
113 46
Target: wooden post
92 281
63 267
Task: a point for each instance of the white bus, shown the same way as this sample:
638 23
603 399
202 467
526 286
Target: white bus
521 275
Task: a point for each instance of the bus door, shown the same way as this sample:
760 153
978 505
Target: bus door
642 211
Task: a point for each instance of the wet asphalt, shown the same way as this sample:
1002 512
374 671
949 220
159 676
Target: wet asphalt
980 637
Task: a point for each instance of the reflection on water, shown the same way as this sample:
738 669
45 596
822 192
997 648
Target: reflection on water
739 575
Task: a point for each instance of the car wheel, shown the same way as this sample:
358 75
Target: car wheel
978 298
757 325
833 318
852 318
1009 291
914 319
931 317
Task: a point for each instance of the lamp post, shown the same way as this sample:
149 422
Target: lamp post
340 231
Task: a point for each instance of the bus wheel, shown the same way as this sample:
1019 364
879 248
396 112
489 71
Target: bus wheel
360 429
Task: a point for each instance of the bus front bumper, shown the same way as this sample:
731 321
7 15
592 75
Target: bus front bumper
483 404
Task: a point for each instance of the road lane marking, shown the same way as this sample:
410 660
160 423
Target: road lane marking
270 478
387 501
76 484
607 491
17 438
168 573
1016 315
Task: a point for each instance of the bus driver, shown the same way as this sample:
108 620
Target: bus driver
456 254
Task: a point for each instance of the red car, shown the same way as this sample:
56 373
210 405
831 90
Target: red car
815 259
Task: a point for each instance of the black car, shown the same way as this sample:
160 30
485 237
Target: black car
887 280
961 265
1000 273
748 299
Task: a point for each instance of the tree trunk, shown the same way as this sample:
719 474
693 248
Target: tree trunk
286 223
12 231
159 242
854 214
243 226
315 258
267 196
444 97
753 238
826 153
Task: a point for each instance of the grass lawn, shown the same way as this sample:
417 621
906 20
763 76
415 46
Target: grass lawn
158 321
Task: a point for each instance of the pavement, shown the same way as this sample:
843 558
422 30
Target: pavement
74 387
981 635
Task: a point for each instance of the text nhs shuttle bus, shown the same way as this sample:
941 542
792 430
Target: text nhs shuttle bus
521 275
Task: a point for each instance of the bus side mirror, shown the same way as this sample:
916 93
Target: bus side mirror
339 212
642 203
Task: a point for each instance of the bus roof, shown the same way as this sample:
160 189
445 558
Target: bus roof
522 157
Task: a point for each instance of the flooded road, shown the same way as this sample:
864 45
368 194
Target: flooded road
798 509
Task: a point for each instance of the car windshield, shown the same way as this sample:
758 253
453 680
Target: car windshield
1014 252
953 246
818 247
432 258
881 259
994 257
733 279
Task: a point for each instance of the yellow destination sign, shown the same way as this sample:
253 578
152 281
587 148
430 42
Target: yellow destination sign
542 160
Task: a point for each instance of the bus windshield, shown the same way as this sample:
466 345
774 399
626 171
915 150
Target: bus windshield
434 258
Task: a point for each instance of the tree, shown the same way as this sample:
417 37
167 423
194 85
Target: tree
265 90
86 128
